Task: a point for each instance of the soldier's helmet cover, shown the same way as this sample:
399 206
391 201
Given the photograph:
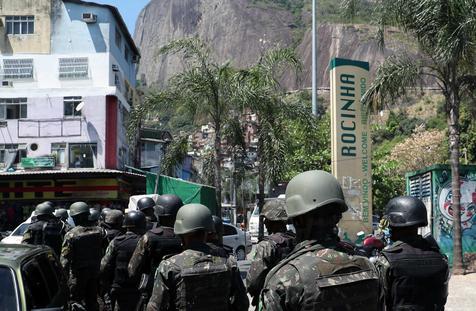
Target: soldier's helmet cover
406 211
44 209
114 217
78 208
193 217
168 205
275 210
134 219
313 190
145 203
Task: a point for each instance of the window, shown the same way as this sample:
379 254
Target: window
126 53
58 150
70 104
73 68
82 155
20 25
117 81
17 69
36 289
118 38
229 230
8 296
13 108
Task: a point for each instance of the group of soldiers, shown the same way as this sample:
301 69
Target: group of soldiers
170 256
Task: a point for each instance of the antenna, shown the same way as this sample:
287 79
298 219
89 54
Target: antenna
80 106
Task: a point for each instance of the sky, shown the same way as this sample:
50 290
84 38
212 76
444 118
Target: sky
129 9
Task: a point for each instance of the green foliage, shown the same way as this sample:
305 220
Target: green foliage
386 184
174 155
468 132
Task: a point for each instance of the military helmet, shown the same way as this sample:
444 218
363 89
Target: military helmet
145 203
44 209
114 217
193 217
406 211
275 210
168 205
94 214
312 190
134 219
49 203
61 213
104 212
78 208
217 225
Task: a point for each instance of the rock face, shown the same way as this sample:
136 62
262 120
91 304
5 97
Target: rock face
239 31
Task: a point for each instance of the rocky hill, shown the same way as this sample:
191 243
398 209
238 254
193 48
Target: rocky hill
240 30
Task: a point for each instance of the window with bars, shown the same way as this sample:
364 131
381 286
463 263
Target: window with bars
70 105
17 69
13 108
73 68
20 25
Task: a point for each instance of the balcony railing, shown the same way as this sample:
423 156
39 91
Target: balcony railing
50 128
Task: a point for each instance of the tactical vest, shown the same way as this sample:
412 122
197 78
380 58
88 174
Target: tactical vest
212 271
163 241
87 250
111 234
417 277
333 280
283 242
48 233
126 244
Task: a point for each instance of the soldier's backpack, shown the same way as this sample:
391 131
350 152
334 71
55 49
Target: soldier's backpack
53 235
206 285
333 280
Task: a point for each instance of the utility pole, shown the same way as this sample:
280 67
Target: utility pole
314 57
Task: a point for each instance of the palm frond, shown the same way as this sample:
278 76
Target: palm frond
175 154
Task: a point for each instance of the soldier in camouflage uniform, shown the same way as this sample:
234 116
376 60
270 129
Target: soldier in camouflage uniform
413 272
272 249
46 229
198 278
155 244
318 274
81 258
124 290
112 224
62 214
215 238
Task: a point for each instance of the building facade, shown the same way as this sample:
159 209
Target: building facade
67 73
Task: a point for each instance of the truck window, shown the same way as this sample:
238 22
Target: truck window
8 295
36 289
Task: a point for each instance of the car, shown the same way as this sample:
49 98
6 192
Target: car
31 278
238 240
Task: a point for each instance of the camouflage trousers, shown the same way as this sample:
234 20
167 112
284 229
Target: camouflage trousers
83 289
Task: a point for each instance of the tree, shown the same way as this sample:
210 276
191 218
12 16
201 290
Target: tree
445 32
174 155
265 97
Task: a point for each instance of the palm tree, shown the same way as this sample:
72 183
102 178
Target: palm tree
265 97
445 32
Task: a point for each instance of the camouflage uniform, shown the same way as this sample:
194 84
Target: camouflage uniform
81 258
179 286
269 252
46 232
305 279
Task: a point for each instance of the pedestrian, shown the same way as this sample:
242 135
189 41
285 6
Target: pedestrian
318 274
81 258
45 229
124 291
147 206
197 278
272 249
62 214
413 272
154 245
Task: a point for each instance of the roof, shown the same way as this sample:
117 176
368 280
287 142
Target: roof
77 172
438 167
117 15
13 254
155 134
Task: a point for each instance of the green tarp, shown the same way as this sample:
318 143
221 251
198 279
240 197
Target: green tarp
189 192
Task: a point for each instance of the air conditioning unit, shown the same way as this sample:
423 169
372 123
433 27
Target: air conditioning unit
6 83
89 18
135 59
115 68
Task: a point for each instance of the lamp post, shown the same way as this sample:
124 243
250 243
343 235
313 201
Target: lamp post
314 57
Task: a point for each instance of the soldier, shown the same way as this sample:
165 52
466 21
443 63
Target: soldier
318 274
272 249
46 229
147 206
155 244
62 214
94 215
215 238
81 258
112 224
414 273
124 293
197 278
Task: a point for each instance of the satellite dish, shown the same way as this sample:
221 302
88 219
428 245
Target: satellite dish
80 106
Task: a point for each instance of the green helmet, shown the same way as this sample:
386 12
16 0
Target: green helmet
78 208
193 217
313 190
114 217
61 213
94 214
275 210
44 209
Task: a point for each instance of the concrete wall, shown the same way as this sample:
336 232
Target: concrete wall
40 41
